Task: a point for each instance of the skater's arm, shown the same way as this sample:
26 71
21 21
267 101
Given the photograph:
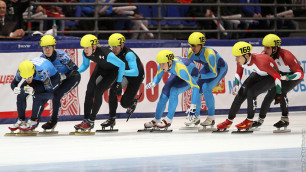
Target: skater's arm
65 59
185 75
158 75
113 59
238 74
210 57
294 66
131 59
274 73
16 80
84 65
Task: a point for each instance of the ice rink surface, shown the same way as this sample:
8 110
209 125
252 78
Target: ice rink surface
178 151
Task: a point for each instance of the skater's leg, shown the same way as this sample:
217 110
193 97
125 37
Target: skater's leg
101 87
266 83
66 86
113 101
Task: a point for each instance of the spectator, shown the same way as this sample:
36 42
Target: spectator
268 11
85 11
8 27
203 11
53 11
15 8
255 13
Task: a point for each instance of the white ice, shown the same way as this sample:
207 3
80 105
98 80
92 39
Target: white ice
128 143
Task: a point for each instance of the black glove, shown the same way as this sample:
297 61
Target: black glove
73 73
277 99
118 88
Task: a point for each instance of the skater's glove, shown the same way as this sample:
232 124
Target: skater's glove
150 85
277 99
118 88
284 78
29 90
191 112
63 77
73 73
235 90
17 90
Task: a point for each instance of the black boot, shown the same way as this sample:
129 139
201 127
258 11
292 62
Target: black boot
258 123
110 122
49 125
284 122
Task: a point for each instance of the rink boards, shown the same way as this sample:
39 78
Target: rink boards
14 52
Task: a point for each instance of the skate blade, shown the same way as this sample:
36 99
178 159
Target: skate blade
160 131
189 128
107 131
209 130
220 131
282 131
85 133
254 129
27 133
48 132
10 134
242 132
73 133
144 130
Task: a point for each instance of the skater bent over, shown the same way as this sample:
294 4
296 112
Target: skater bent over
185 75
133 77
291 75
108 71
41 80
213 69
70 77
264 76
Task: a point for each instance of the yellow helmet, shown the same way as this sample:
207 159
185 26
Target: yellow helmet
26 69
47 40
241 48
116 39
196 38
164 56
271 40
89 40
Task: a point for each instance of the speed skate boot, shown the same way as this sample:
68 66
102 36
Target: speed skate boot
195 121
191 123
29 126
284 122
244 126
78 126
164 124
131 109
50 125
210 121
222 127
257 123
110 122
15 126
148 126
87 125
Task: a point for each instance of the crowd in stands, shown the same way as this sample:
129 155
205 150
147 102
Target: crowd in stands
13 11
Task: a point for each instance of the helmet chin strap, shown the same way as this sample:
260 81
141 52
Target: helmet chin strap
169 65
199 51
274 53
246 60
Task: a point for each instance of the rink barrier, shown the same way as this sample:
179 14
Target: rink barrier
17 49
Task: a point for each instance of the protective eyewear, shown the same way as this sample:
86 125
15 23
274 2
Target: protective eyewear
47 47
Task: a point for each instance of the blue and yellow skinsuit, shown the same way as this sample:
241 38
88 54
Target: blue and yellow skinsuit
213 69
65 66
46 80
185 75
